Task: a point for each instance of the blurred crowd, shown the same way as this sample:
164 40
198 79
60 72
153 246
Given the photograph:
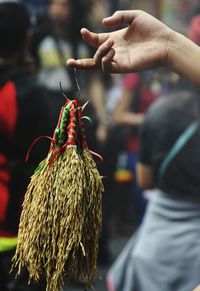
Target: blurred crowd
118 103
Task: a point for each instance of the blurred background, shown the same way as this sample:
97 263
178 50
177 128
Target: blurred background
117 103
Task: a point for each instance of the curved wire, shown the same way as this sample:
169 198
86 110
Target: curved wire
62 92
77 84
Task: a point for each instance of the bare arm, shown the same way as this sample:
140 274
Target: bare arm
144 176
184 57
121 114
145 43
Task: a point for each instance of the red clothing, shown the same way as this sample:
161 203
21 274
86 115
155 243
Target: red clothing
23 117
8 115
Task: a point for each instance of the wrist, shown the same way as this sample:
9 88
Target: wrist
183 57
171 48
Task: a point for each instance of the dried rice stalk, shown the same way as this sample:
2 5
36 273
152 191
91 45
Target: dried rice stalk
93 219
61 217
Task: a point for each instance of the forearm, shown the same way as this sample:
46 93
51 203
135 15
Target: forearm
128 118
184 57
144 175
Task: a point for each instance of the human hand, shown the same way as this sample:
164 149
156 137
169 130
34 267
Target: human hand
143 44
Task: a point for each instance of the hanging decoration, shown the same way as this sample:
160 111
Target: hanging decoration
61 216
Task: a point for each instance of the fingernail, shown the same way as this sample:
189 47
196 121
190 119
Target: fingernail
109 42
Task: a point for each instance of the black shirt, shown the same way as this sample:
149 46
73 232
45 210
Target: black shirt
33 119
166 119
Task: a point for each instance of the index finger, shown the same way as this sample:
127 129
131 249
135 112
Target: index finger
92 38
82 63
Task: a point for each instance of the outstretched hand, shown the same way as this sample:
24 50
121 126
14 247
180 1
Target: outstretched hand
143 44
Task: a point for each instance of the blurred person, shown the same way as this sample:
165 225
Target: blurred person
138 92
169 161
56 39
165 254
24 115
109 146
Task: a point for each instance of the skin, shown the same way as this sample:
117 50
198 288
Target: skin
121 113
144 43
116 50
144 176
59 10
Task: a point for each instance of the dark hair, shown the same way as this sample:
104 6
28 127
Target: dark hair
14 24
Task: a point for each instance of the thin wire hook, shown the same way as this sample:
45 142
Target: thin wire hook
77 84
61 89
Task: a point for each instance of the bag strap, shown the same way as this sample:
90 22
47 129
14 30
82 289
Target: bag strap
185 136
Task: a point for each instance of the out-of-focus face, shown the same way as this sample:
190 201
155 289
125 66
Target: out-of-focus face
59 10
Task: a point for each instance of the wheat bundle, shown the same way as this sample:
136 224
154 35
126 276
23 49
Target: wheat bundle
61 217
